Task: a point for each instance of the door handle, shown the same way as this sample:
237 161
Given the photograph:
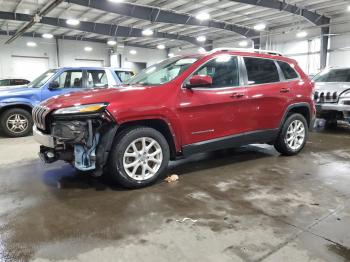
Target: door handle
237 95
285 90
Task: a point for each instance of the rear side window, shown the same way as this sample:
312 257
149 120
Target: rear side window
261 71
19 82
124 75
287 70
97 78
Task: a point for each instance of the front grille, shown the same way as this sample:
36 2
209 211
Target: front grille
39 114
326 97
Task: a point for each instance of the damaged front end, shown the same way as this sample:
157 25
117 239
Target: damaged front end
81 135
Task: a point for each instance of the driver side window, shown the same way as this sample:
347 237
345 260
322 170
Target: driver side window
224 71
70 79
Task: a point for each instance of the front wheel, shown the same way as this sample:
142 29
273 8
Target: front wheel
293 135
16 122
139 157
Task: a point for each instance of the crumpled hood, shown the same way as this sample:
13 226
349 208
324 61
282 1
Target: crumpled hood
332 87
94 96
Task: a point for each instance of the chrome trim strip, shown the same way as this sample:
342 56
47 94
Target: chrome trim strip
203 132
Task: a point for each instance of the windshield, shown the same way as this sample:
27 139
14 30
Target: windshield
41 80
333 75
162 72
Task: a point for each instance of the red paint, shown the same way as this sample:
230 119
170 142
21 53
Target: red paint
199 115
201 80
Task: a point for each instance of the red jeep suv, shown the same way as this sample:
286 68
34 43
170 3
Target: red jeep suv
178 107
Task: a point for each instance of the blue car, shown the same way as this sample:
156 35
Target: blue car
16 103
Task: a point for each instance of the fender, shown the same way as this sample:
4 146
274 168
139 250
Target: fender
294 106
5 105
176 135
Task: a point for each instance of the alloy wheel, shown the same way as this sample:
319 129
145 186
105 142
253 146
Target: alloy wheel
142 158
17 123
295 135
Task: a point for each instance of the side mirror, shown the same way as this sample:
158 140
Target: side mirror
54 85
199 80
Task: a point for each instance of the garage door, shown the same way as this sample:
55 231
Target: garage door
29 67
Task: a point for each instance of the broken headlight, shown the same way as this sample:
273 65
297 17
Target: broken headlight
81 109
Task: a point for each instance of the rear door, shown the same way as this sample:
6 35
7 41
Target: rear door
290 80
214 111
267 96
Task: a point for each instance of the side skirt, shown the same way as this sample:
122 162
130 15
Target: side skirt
260 137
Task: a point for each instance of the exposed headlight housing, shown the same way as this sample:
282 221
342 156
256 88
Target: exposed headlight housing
81 109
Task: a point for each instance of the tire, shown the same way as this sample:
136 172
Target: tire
331 124
16 114
123 154
282 145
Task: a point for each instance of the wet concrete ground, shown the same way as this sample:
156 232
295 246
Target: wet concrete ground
248 204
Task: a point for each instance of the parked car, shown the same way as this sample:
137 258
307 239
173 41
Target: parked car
13 82
16 103
332 95
178 107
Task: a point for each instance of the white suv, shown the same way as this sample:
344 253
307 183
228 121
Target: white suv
332 94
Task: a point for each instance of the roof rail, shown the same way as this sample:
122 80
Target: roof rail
259 51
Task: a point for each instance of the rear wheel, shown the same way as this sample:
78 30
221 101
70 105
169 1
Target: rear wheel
16 122
293 135
139 157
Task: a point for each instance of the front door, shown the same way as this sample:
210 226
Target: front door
66 82
214 111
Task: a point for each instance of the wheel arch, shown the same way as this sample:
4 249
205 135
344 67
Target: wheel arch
158 124
26 107
300 108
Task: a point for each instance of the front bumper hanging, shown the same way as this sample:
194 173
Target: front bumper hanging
85 143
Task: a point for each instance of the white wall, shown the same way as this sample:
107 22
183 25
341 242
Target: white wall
71 53
307 51
46 49
144 55
340 44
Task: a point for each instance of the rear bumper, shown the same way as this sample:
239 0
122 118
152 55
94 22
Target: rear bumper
43 139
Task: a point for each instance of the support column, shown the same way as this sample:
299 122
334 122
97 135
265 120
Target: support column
209 45
324 47
58 53
256 43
